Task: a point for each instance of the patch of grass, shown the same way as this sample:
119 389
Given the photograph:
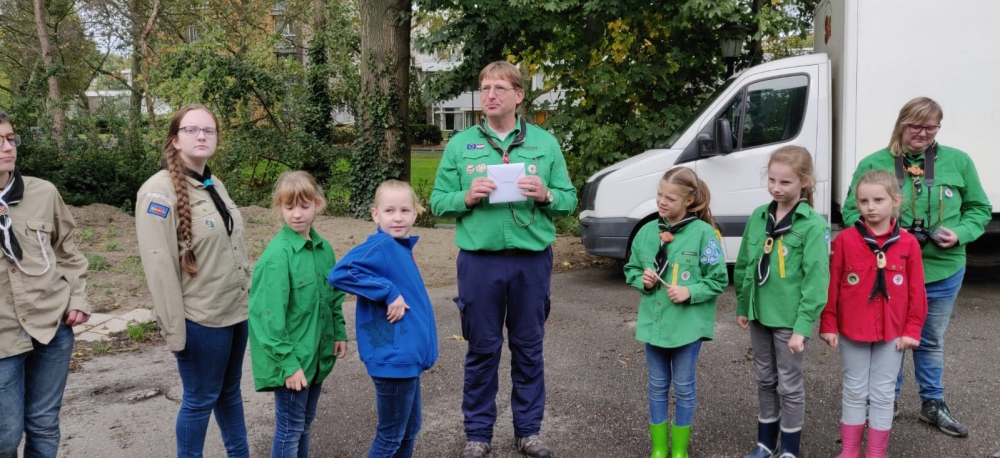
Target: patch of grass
87 234
131 264
141 332
423 168
111 232
100 347
97 262
111 246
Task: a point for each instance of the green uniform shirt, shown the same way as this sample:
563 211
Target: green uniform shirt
493 227
793 300
696 262
295 316
957 202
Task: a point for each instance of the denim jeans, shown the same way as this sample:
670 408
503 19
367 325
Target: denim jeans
211 367
677 364
31 393
928 357
398 404
294 412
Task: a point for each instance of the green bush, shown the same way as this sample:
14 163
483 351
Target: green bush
425 134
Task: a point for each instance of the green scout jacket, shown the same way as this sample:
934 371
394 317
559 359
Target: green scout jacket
796 299
492 227
696 262
957 202
295 316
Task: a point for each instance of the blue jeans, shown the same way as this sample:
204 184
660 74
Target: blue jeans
31 393
677 364
294 412
928 357
211 367
398 404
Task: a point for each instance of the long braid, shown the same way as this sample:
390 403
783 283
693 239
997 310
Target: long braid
177 176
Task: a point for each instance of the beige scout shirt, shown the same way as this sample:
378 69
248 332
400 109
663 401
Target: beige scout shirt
33 301
217 295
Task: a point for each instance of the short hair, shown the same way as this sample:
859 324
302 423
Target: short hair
396 184
916 110
884 178
293 188
4 118
503 70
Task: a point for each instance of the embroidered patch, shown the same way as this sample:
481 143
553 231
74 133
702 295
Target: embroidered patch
853 278
210 223
948 193
826 236
784 250
470 169
712 253
685 275
898 279
157 209
3 210
532 168
481 168
474 146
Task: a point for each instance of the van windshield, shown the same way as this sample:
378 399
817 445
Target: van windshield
669 143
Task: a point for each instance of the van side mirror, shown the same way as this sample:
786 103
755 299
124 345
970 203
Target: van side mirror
723 136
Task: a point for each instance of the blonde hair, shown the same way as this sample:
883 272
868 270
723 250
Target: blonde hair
884 178
800 161
915 111
503 70
178 176
396 184
293 188
692 186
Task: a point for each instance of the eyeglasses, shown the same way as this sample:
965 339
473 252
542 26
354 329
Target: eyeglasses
13 139
915 129
193 131
500 91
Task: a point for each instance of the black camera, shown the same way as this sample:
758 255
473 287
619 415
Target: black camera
919 232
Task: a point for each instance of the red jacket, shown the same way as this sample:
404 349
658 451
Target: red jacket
852 276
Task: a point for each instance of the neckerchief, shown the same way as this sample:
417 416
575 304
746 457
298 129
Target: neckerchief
879 252
773 230
504 153
220 205
667 231
10 197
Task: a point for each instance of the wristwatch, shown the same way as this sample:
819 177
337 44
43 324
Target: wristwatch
549 198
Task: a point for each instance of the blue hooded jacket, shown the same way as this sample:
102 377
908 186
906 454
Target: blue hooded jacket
378 271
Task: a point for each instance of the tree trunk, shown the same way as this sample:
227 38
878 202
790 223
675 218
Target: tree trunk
144 47
385 82
55 98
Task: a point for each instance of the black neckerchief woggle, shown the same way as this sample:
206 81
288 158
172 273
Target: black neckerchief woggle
879 251
505 157
930 157
9 197
773 230
220 205
661 262
504 153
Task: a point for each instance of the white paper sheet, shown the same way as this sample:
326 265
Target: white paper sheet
506 176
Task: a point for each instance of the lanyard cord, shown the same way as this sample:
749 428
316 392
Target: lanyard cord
930 158
505 157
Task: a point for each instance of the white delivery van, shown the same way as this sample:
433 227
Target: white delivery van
840 103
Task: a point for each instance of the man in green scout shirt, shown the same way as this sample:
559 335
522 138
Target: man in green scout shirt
941 188
505 258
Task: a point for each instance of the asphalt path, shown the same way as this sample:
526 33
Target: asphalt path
596 381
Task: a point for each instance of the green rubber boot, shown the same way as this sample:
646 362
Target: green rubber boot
658 436
679 438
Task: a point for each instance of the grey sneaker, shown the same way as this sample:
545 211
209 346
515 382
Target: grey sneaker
475 449
935 412
532 446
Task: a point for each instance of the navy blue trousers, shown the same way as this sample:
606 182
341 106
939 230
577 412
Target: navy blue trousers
497 290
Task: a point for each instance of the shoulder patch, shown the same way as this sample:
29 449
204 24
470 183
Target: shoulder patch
712 253
158 209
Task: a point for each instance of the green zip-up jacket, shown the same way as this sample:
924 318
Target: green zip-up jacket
492 227
797 300
695 261
295 316
957 202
